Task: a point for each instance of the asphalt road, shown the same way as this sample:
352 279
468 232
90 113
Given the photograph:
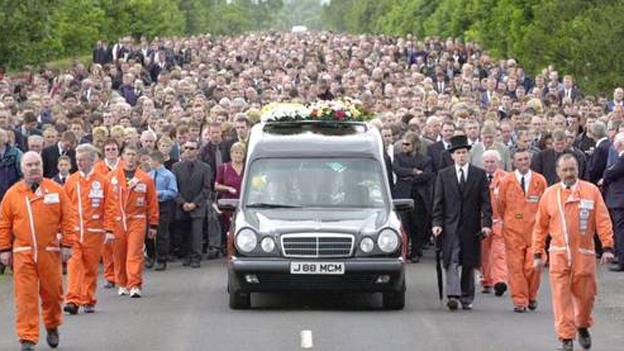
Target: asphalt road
185 309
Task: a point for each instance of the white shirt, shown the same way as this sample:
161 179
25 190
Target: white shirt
527 179
446 145
465 168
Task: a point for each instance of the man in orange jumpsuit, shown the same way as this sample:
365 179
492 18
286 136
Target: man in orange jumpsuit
132 207
35 220
109 163
493 262
85 188
571 211
519 195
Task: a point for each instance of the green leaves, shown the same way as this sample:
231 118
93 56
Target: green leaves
579 37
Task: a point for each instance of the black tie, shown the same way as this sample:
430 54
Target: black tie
462 179
34 187
523 184
489 179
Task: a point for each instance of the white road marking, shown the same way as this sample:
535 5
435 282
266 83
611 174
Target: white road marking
306 339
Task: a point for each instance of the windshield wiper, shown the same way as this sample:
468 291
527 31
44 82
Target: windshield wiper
270 205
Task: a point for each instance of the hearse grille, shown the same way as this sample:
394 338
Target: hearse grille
317 245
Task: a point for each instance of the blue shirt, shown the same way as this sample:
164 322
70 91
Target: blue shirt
166 185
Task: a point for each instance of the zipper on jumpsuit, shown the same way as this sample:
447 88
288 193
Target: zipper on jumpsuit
565 228
31 222
80 211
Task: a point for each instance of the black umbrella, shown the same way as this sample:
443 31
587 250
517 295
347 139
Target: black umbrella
438 258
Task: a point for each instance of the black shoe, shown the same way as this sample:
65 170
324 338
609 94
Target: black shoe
27 345
186 262
71 308
53 338
567 345
584 338
533 305
466 306
616 269
161 266
452 304
486 290
88 308
195 264
149 263
499 289
109 285
519 309
415 259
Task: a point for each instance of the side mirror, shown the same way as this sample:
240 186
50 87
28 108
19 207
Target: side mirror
403 205
228 205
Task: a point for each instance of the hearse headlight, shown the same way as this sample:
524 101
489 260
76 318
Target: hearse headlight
388 240
367 245
246 240
267 244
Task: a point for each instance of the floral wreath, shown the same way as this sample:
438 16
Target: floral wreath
340 110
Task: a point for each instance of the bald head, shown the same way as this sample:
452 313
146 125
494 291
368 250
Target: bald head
491 161
32 167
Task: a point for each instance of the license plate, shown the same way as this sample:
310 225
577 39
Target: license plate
336 268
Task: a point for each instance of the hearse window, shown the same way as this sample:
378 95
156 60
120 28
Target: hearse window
342 183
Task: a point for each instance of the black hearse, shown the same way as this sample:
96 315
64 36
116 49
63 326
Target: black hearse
315 213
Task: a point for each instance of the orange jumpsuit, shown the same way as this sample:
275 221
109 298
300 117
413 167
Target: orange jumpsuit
34 225
103 168
132 206
519 210
571 216
493 262
87 196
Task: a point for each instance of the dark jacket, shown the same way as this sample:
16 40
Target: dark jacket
193 186
50 156
10 171
614 184
545 163
598 162
408 185
462 215
440 158
208 154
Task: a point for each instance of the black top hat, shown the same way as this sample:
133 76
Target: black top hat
459 142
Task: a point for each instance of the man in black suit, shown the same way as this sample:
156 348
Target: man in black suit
50 155
158 67
64 166
545 161
598 160
217 151
102 54
569 90
194 179
414 179
435 151
614 183
462 215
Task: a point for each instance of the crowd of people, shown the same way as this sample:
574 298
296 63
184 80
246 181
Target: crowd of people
159 130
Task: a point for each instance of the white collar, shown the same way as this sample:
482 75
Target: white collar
573 187
465 168
601 140
112 167
82 174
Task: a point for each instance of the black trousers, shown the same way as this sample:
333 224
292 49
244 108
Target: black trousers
416 224
192 235
618 230
166 213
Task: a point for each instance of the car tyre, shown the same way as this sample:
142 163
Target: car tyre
394 300
240 300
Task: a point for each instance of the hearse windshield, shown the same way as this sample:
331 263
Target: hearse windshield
315 182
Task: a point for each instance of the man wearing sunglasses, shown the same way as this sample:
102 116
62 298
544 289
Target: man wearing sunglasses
194 179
